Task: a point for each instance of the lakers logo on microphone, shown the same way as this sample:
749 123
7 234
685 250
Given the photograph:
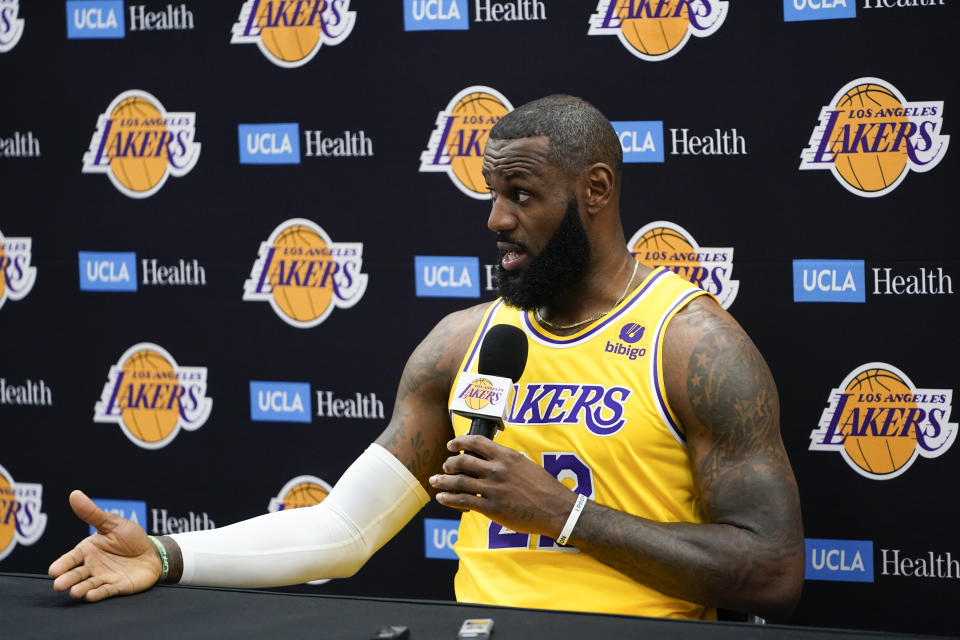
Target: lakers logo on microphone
655 30
290 33
138 144
460 136
479 393
150 397
880 422
665 244
304 275
870 137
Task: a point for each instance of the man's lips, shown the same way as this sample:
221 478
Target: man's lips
512 256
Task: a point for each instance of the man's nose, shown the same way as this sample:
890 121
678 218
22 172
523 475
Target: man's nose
501 218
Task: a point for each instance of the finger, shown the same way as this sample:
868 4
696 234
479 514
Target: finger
70 578
80 589
90 513
455 484
461 501
477 444
64 563
470 465
102 593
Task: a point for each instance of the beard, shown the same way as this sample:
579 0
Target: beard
557 269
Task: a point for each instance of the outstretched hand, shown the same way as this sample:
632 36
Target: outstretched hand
503 485
118 559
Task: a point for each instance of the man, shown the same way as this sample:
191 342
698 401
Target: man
693 504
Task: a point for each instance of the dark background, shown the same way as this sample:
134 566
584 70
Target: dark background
758 74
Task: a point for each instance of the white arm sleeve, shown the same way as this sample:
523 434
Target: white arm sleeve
373 500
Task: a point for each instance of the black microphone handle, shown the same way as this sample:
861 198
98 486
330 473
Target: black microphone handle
482 427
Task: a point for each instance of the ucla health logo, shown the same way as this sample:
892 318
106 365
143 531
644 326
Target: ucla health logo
447 276
880 422
138 144
133 510
290 33
665 244
435 15
439 536
11 26
280 401
655 30
108 270
16 274
460 136
95 19
641 140
870 137
803 10
20 518
839 560
150 397
304 275
269 143
829 281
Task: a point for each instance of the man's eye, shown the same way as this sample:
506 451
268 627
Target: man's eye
521 196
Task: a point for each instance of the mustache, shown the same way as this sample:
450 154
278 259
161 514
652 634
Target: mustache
503 237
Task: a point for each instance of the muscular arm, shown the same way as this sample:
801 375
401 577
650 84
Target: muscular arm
749 554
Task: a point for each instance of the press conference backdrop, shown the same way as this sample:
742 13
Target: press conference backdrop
226 225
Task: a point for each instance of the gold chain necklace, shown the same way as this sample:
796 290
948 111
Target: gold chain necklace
542 320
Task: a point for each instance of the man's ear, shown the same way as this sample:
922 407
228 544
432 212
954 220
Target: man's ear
599 186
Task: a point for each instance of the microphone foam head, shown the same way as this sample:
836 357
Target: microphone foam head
503 352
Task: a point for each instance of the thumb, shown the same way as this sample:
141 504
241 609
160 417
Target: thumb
90 513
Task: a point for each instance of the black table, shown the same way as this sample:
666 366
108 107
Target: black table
29 608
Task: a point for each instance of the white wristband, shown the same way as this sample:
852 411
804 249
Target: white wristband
572 519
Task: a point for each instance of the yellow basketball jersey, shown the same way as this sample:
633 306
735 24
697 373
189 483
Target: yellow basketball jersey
591 409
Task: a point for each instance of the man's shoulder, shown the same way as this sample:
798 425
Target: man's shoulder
452 336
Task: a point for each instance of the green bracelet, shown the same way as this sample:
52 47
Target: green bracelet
164 558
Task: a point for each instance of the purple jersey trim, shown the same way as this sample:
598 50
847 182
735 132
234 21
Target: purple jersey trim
571 340
661 401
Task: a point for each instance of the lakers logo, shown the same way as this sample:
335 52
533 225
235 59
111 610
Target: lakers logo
16 274
880 422
139 144
870 137
460 136
304 275
664 244
20 518
479 393
302 491
11 28
656 30
150 397
289 33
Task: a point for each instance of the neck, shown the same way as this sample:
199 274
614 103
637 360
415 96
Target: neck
598 293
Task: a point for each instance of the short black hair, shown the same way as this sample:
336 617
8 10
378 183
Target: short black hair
579 134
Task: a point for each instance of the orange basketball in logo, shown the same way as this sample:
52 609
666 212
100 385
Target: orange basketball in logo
655 36
305 301
138 121
878 454
868 170
3 272
473 115
8 526
304 494
665 247
151 369
289 43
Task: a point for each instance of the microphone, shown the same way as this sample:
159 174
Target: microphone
482 396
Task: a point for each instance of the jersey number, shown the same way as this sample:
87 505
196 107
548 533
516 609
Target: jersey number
562 466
